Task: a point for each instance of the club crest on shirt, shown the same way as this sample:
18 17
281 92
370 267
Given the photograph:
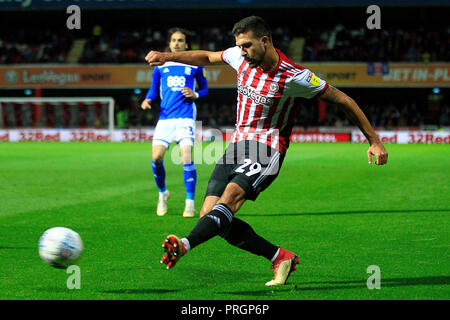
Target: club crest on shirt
187 71
273 87
166 70
313 79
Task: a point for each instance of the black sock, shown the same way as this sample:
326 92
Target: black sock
214 223
242 235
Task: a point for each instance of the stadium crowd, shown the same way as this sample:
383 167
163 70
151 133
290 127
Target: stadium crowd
337 44
129 46
391 115
34 46
387 44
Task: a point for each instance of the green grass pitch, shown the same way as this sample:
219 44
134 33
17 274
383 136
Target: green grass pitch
338 213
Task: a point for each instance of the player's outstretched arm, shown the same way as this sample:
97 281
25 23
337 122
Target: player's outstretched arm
338 98
194 57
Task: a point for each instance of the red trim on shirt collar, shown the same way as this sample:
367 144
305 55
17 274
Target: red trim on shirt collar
280 56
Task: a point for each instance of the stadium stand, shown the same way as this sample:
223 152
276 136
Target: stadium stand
344 44
129 46
416 37
34 46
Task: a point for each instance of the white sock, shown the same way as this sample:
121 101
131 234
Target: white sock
163 194
186 243
276 255
190 202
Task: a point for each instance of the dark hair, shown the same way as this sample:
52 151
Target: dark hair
253 23
186 33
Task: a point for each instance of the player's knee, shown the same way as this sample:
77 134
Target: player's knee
233 196
158 154
204 211
208 205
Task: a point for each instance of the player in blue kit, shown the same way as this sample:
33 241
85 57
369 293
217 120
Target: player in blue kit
175 84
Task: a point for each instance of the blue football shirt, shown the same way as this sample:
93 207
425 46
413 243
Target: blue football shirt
168 81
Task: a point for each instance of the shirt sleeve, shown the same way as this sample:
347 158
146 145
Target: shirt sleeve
202 82
306 84
232 56
156 81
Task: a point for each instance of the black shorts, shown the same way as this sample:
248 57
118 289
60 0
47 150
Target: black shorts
252 165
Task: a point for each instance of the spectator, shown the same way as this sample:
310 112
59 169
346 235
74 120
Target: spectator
107 45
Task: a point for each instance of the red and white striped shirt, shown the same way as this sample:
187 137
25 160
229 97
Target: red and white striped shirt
267 102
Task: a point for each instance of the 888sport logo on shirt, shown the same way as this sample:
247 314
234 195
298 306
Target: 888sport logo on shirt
176 82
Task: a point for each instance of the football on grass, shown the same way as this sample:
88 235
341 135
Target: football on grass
60 247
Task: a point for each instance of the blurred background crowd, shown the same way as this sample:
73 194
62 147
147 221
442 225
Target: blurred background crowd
331 35
340 43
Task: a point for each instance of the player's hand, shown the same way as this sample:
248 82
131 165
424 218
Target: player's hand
156 58
146 104
377 149
188 93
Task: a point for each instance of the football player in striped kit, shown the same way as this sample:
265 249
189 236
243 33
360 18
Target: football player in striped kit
269 88
175 83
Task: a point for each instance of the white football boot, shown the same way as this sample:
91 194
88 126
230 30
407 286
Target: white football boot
161 209
283 266
189 209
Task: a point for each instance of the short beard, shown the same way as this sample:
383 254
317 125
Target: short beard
256 63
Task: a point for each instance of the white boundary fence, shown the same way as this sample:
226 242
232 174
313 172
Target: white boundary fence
205 134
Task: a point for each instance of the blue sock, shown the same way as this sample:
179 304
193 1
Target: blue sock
190 180
160 175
